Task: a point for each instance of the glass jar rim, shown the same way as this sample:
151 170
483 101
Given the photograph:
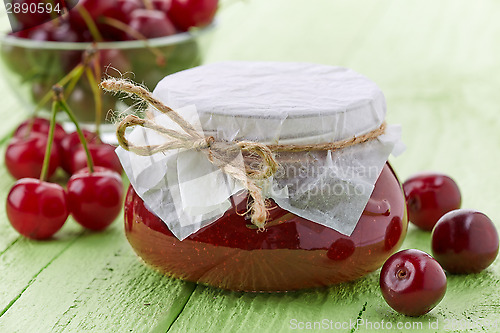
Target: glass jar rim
119 45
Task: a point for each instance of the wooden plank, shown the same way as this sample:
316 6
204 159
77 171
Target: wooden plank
244 312
434 61
93 282
24 260
74 274
78 280
8 235
86 281
13 112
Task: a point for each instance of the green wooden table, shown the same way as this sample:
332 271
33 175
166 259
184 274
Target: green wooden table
438 64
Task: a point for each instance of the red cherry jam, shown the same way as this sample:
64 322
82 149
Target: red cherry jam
292 253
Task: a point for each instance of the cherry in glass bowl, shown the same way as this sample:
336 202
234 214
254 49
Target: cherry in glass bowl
31 67
292 253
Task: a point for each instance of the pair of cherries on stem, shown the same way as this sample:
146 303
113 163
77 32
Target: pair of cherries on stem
37 209
24 155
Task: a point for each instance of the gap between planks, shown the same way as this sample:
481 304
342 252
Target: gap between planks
13 301
166 325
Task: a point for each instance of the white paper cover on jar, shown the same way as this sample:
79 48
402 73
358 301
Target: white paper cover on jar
268 102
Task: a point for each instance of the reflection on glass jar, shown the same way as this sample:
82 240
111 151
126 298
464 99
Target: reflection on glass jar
292 253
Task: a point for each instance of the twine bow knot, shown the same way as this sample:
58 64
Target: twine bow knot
220 153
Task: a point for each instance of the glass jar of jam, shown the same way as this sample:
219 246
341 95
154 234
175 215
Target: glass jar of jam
293 251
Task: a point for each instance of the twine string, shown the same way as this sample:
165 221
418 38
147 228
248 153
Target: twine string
220 153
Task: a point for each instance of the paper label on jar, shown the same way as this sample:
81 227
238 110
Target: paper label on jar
186 191
182 187
269 103
336 186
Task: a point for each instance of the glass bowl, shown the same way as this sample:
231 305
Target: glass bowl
32 67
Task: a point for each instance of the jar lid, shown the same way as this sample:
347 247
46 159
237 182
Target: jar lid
266 102
271 101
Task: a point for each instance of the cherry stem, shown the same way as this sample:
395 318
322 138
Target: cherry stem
75 73
71 79
64 106
89 21
97 99
148 4
50 140
53 15
72 84
30 127
401 274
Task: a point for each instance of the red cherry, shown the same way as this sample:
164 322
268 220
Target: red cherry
84 35
163 5
464 241
412 282
50 31
102 154
29 14
26 18
39 125
20 34
95 199
151 23
24 156
72 141
429 196
37 209
119 10
95 8
192 13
